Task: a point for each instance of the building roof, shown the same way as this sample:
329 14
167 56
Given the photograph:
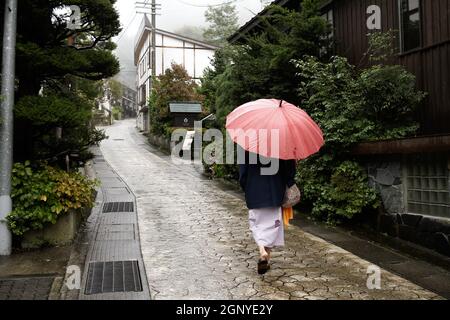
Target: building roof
185 107
187 39
146 29
253 23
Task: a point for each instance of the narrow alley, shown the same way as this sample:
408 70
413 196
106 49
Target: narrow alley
196 243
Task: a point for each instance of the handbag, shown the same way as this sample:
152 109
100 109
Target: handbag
292 197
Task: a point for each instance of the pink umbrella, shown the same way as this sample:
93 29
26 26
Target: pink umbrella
275 129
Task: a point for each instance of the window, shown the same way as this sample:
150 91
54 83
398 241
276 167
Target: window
329 17
427 186
410 17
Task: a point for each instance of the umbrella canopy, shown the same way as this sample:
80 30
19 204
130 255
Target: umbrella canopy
275 129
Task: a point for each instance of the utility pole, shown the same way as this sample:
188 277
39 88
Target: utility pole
153 55
145 7
6 122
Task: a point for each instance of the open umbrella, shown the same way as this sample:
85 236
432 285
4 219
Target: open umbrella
275 129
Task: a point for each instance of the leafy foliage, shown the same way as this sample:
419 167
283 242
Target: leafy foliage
45 116
58 69
377 103
223 22
193 32
261 67
390 100
174 85
43 48
381 46
288 60
117 90
117 113
41 194
335 192
351 106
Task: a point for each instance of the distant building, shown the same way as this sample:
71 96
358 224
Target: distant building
193 55
129 102
105 104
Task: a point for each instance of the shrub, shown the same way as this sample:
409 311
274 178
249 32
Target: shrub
344 195
42 193
42 116
117 113
351 106
174 85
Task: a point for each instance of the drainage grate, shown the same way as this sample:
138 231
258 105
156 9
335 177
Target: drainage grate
116 276
118 207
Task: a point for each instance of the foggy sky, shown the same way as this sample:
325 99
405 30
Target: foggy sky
174 14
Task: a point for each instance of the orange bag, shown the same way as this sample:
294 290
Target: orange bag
288 215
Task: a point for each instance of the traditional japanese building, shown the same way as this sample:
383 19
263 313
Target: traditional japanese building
193 55
412 174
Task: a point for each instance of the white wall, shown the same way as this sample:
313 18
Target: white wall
192 57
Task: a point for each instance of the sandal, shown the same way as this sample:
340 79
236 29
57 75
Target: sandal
263 266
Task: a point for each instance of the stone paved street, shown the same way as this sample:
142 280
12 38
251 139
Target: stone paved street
196 243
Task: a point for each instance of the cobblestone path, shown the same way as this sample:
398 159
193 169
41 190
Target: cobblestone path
196 243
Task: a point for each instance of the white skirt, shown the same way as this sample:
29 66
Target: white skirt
267 227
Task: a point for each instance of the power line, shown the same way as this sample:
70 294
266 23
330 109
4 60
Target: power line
125 30
130 23
209 5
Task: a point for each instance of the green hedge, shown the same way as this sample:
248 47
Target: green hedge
42 193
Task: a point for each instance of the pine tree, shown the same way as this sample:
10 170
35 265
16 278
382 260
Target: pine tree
57 69
223 22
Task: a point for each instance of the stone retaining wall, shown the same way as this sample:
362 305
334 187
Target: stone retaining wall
388 177
160 142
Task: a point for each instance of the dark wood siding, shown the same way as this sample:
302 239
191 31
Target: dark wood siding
430 63
351 29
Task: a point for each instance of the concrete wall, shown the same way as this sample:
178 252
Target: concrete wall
60 234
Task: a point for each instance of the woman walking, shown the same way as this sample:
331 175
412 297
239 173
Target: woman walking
293 136
264 196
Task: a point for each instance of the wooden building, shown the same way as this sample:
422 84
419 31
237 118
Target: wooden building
412 175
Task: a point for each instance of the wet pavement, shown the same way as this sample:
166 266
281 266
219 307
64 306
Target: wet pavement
36 288
196 243
33 275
